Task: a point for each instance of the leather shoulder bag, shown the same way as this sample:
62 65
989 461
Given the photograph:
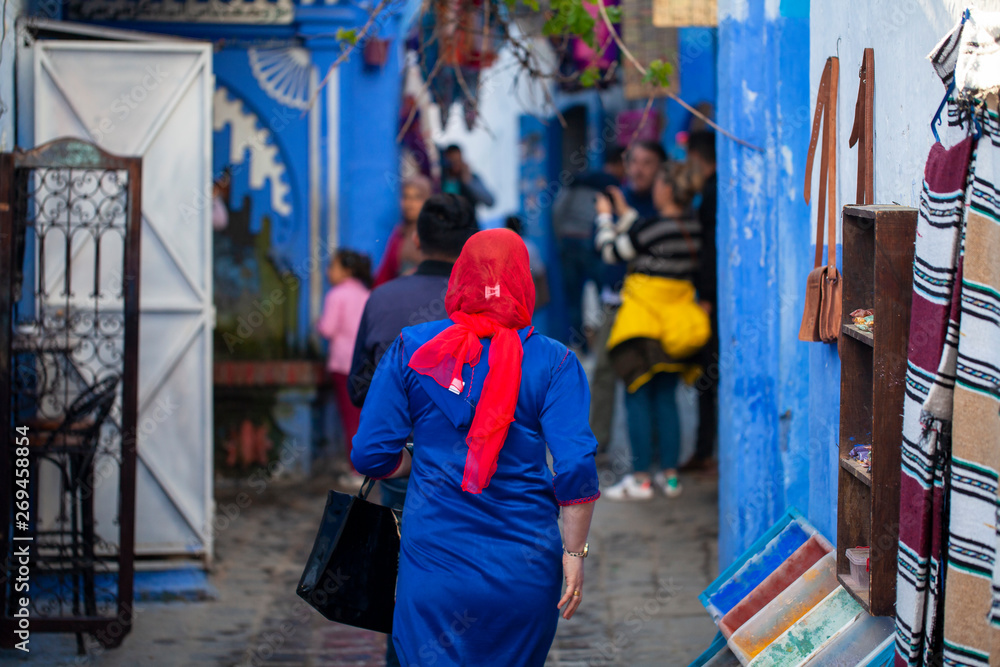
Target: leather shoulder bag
821 317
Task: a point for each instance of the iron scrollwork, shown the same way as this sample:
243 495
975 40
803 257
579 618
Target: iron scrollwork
70 300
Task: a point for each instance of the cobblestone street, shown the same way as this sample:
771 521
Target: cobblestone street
648 563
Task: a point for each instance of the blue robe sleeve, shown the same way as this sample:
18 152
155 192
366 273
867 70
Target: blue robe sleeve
566 428
385 419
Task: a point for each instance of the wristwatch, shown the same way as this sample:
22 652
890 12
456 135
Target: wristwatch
579 554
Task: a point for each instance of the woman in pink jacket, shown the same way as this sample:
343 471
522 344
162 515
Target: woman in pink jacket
350 275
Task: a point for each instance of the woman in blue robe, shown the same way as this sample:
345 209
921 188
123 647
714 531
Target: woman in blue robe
482 557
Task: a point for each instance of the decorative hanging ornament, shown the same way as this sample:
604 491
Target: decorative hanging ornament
459 39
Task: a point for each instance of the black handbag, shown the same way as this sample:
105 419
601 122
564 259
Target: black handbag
350 576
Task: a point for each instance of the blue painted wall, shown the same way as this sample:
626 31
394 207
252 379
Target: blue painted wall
540 149
369 155
697 54
779 397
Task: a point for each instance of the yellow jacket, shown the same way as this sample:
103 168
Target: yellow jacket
664 310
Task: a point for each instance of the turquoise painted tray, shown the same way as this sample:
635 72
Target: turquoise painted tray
812 633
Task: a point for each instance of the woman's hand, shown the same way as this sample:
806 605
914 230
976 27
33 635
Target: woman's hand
573 569
619 200
603 205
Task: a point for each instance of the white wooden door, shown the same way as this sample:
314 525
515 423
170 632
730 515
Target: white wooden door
153 99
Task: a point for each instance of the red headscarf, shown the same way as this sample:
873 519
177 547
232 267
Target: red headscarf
490 295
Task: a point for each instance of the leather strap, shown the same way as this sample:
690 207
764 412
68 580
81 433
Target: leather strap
830 125
824 84
825 116
863 132
818 116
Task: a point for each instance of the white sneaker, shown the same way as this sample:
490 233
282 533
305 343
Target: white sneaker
670 486
629 488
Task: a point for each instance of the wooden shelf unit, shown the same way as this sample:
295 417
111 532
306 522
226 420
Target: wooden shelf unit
878 274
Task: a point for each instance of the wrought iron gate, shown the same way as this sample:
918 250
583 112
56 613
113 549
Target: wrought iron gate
69 316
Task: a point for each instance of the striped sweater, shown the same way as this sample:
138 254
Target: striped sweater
667 247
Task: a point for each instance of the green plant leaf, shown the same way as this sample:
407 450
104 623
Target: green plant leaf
581 23
345 35
658 73
589 77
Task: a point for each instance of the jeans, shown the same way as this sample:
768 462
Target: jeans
394 492
654 422
391 659
708 399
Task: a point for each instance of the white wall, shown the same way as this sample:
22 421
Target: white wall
907 91
12 9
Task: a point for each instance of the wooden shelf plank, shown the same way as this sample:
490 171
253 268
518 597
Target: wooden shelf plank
872 211
852 586
857 470
866 337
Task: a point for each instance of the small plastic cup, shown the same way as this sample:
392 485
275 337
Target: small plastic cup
859 559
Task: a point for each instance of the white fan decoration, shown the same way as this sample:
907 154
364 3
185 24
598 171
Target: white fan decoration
285 74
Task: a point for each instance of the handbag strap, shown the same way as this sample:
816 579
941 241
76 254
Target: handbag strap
363 492
863 132
818 116
830 126
370 482
825 116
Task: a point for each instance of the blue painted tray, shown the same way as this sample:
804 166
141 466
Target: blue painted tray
756 563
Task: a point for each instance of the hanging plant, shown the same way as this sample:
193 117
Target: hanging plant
457 39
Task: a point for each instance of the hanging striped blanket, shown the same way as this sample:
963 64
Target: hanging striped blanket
971 623
925 439
948 584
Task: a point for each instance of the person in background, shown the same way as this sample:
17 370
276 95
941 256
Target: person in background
573 218
445 223
701 161
643 161
457 178
539 275
660 325
481 533
220 212
401 255
350 276
641 168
